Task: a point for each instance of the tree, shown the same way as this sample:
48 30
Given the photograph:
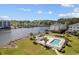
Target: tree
68 21
45 40
31 34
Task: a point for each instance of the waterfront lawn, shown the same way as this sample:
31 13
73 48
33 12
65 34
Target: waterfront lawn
26 47
74 49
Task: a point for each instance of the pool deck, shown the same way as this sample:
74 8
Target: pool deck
59 46
51 38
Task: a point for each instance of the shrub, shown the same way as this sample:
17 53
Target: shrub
77 34
46 32
59 50
47 48
67 34
31 34
74 33
78 37
64 46
67 40
32 37
63 51
68 45
60 31
34 43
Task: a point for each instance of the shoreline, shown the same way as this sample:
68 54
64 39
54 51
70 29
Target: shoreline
12 43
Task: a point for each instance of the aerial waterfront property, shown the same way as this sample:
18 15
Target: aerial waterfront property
38 30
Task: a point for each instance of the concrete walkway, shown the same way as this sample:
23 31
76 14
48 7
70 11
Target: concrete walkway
57 52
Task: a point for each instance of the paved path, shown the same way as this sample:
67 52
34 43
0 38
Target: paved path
57 52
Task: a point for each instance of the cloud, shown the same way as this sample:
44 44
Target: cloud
67 5
69 15
76 10
50 12
64 15
74 13
24 9
39 12
5 18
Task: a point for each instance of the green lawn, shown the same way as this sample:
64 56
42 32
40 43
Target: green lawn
75 46
26 47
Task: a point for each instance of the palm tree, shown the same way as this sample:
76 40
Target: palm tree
46 40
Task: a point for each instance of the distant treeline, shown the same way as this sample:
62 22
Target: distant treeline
34 23
43 23
68 21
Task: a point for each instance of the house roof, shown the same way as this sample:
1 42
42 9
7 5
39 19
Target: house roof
77 24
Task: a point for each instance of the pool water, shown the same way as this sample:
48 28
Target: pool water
55 42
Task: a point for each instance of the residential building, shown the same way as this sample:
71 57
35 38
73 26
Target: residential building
4 24
58 27
73 27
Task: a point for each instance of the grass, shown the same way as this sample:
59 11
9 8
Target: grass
26 47
75 46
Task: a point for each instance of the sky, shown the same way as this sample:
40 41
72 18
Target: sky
38 11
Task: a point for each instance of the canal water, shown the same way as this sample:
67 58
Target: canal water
13 34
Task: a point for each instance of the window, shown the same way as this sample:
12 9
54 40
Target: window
74 27
0 23
77 27
4 23
70 26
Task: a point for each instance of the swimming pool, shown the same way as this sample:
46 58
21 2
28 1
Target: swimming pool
55 42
